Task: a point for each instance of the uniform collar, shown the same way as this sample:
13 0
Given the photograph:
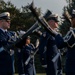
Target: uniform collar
3 30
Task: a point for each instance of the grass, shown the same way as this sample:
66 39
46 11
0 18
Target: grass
36 74
39 74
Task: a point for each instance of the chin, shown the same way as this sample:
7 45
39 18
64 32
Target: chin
8 28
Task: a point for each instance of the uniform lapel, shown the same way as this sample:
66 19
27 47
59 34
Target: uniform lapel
3 34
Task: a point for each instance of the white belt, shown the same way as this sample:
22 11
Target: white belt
56 57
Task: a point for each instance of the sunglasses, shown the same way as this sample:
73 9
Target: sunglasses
7 20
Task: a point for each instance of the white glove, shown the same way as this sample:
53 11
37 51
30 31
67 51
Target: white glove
37 43
11 52
44 66
21 33
22 74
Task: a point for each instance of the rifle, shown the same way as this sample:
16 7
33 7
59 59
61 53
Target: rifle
21 41
42 20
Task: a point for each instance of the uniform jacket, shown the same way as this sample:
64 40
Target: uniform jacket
5 57
70 56
48 41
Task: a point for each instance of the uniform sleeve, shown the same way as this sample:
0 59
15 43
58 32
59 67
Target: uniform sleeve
60 42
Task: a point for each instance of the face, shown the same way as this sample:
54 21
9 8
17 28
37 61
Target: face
53 24
28 41
73 22
5 24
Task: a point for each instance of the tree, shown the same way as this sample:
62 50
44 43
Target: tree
66 24
20 18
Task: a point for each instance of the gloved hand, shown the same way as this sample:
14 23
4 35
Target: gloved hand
37 43
11 52
44 66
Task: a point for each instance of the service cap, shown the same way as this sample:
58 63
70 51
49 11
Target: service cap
5 15
53 17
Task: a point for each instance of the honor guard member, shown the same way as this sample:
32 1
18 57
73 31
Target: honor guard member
6 38
69 42
48 49
27 50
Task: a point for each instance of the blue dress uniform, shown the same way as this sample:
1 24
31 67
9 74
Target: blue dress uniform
48 50
29 69
12 38
69 42
6 58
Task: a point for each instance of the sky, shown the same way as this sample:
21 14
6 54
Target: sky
55 6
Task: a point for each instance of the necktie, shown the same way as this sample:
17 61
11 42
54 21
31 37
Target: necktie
6 33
